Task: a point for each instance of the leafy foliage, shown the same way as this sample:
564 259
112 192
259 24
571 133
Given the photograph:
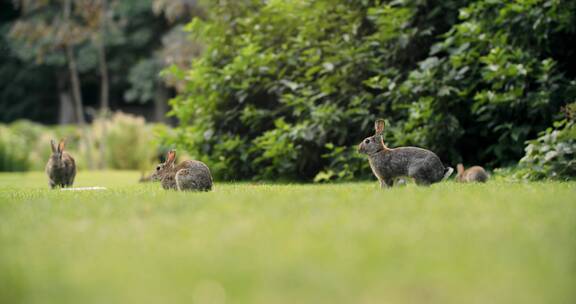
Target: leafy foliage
286 89
13 155
143 78
285 83
491 83
138 40
129 131
24 145
553 153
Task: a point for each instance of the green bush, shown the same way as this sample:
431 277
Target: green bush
286 89
36 139
31 141
130 144
284 80
553 154
495 80
346 164
13 153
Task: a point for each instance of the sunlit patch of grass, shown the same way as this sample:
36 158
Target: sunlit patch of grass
245 243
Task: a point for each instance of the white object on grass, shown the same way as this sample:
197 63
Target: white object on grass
83 188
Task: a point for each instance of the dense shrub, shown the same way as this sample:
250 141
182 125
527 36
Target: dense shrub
495 80
13 153
286 89
553 153
26 145
36 141
281 87
130 144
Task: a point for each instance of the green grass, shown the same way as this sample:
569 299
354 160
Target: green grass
254 243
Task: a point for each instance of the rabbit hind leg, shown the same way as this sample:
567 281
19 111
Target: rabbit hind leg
386 183
192 180
421 175
185 181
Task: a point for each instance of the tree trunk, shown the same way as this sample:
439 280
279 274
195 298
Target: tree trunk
103 63
78 107
66 107
77 90
104 80
161 103
73 70
104 83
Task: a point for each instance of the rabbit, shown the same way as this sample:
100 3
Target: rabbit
471 175
190 175
61 167
389 164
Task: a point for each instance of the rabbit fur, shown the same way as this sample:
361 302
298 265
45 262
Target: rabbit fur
190 175
61 167
473 174
389 164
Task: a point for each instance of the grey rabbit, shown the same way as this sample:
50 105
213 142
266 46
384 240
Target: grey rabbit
61 167
471 175
190 175
388 164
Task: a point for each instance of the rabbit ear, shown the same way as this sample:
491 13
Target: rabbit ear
171 157
460 168
382 142
53 146
61 146
379 126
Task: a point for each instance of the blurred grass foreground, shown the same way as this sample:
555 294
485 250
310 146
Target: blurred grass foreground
252 243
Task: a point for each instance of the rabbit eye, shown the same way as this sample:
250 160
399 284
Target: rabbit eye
367 141
157 168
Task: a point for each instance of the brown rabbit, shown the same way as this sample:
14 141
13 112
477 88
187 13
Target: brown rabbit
471 175
61 168
190 175
388 164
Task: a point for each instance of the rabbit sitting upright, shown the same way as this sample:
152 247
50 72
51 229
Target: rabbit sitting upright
61 168
388 164
473 174
190 175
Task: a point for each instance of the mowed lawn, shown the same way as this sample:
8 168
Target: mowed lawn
255 243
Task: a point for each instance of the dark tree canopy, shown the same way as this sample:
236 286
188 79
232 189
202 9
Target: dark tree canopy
33 67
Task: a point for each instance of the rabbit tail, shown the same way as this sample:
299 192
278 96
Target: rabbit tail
447 172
